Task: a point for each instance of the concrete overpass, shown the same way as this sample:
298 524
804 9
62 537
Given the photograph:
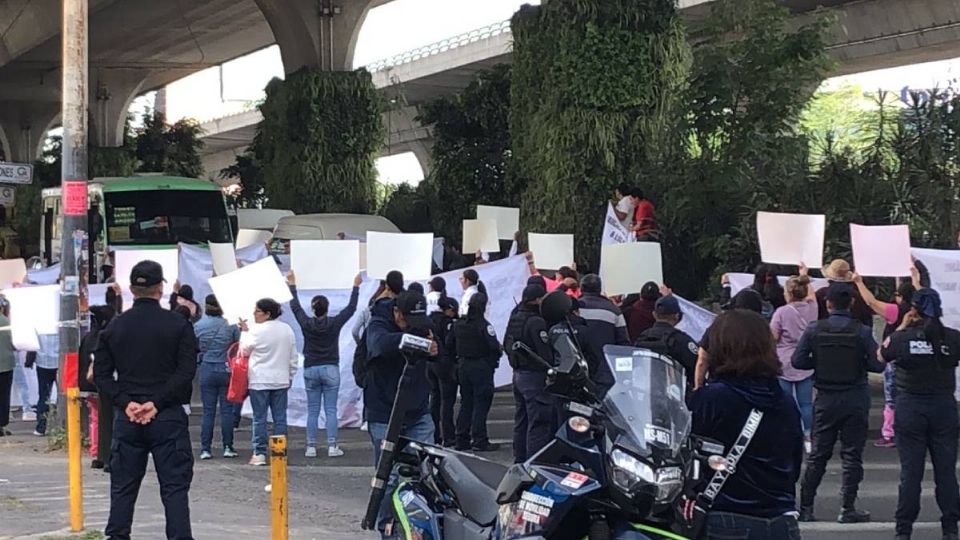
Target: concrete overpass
868 35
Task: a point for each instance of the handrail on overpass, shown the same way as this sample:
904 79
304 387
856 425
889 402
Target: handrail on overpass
441 46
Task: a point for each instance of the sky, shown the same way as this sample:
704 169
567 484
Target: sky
404 25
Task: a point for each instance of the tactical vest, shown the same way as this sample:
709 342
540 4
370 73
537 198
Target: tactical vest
471 340
515 326
926 374
839 355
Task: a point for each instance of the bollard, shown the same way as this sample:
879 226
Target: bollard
74 451
278 487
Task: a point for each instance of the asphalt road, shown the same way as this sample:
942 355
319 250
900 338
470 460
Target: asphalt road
328 496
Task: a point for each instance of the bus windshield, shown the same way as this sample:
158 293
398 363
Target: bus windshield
166 217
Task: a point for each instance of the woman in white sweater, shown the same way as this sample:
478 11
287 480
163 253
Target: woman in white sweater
272 349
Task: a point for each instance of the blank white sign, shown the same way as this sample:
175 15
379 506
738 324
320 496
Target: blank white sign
627 267
239 291
33 310
508 220
126 259
12 271
480 235
249 237
224 258
791 238
551 251
411 254
881 250
325 264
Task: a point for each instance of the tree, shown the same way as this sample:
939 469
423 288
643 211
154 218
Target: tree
173 150
246 171
408 209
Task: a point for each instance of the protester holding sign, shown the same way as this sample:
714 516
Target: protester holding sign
838 271
215 336
788 324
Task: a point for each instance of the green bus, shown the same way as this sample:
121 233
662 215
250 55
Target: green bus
140 212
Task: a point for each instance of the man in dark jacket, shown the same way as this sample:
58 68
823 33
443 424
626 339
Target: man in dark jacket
442 374
604 320
841 351
321 361
665 338
154 355
535 419
639 314
390 320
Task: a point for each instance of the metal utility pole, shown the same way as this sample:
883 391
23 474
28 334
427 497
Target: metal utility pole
74 236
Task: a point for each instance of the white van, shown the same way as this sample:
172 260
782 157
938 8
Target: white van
326 227
260 219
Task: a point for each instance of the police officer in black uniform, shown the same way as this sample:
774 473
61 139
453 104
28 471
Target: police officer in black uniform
442 374
534 420
664 337
478 353
840 350
566 326
926 356
153 353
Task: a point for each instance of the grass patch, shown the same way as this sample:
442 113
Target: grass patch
85 535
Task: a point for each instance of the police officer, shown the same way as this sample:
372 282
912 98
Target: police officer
840 350
664 337
478 352
564 323
442 374
535 415
153 353
926 356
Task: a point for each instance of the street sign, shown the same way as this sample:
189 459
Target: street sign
7 196
16 173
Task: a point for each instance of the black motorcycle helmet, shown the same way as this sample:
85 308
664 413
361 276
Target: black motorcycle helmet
555 307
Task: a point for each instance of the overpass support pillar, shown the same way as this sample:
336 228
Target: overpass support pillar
317 34
23 128
111 92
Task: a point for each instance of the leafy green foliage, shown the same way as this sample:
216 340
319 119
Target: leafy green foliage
171 149
318 141
408 209
247 172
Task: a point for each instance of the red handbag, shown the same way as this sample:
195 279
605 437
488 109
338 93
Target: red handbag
239 374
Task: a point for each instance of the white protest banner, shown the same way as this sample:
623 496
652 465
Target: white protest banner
626 267
614 231
250 237
126 259
480 235
325 264
791 238
881 250
696 320
411 254
740 281
33 310
224 258
12 271
196 266
47 275
508 221
239 291
551 251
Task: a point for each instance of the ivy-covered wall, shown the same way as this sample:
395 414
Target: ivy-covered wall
318 141
595 98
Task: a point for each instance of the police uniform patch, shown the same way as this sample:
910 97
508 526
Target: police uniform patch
543 336
491 331
694 348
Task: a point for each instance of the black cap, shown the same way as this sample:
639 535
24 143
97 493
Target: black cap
146 274
413 306
650 291
537 280
667 305
839 291
446 303
533 292
555 307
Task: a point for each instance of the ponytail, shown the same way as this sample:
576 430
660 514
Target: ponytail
481 288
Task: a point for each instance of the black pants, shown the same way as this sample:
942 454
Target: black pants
443 397
6 385
46 378
922 423
535 421
476 394
165 438
104 428
839 415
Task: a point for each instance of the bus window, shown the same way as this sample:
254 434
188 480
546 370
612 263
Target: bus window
166 217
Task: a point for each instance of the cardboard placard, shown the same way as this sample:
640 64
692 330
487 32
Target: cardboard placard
551 251
508 220
410 254
224 258
791 238
249 237
126 259
325 264
881 250
239 291
33 311
480 235
627 267
12 271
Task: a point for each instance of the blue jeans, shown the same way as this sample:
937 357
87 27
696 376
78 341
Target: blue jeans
421 430
214 379
742 527
322 383
20 381
802 392
260 400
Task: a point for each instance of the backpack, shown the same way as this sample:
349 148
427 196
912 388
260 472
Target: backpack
361 362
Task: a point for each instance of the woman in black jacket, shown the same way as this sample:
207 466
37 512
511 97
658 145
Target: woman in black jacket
101 417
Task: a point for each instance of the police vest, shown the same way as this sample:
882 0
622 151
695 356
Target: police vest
515 327
925 373
663 343
471 339
839 355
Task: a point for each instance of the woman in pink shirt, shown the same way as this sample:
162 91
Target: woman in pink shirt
788 324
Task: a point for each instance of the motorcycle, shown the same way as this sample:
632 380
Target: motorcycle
614 470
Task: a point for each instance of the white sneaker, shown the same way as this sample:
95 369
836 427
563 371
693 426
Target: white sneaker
206 455
29 416
311 451
38 434
363 426
229 453
334 451
258 460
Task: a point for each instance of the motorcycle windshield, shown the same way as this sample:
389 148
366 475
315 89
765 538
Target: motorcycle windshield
647 400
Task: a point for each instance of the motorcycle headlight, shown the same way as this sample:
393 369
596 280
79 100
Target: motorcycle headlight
669 483
628 471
